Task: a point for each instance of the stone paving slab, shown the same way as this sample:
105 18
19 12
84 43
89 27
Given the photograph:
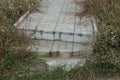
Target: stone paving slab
50 18
66 18
64 28
69 7
48 27
56 6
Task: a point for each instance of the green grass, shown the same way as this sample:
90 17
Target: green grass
20 68
11 10
107 47
22 71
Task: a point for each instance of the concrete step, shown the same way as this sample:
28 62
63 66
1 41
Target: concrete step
60 48
57 32
70 28
55 23
56 20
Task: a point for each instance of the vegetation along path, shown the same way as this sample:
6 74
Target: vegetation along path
57 31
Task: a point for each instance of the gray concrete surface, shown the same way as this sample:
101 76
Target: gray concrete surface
57 29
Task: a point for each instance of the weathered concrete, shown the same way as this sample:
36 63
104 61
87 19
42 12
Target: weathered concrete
57 21
57 29
58 33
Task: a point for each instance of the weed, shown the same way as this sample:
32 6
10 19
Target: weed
10 39
106 56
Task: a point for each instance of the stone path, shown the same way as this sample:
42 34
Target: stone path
57 31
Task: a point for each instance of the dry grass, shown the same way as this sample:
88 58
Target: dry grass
107 47
10 39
